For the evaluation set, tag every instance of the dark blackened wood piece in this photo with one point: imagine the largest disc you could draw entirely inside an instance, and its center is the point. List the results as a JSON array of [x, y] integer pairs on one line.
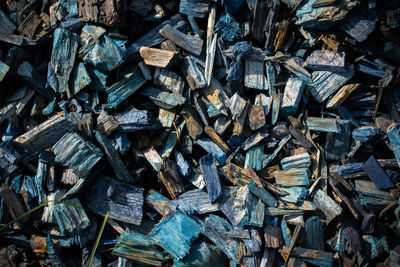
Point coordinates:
[[282, 30], [52, 252], [153, 37], [135, 120], [393, 133], [159, 58], [194, 8], [123, 201], [65, 47], [141, 249], [377, 174], [103, 12], [340, 195], [172, 184], [106, 124], [314, 233], [300, 138], [123, 89], [351, 235], [34, 79], [192, 44], [13, 203], [259, 19], [175, 233], [8, 256], [269, 27], [359, 23], [262, 194], [44, 135], [194, 76], [273, 236], [114, 159], [337, 144], [78, 154], [7, 26], [210, 173]]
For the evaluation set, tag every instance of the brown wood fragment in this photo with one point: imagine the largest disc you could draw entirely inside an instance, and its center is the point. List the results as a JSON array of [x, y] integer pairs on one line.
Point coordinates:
[[216, 138], [104, 12], [158, 57], [281, 35]]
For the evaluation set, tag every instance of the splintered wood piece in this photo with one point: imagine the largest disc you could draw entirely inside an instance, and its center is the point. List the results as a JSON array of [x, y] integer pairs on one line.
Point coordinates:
[[213, 135], [342, 95], [44, 135], [328, 206], [282, 29], [159, 58], [192, 44], [122, 201], [211, 177]]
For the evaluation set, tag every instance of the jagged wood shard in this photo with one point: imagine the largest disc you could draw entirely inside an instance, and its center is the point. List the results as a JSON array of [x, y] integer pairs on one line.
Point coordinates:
[[44, 135], [169, 80], [360, 23], [71, 218], [211, 177], [377, 174], [65, 47], [76, 153], [123, 89], [114, 159], [192, 44]]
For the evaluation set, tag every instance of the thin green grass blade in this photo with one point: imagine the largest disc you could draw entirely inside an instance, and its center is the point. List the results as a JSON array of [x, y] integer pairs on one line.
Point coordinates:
[[23, 215], [97, 240]]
